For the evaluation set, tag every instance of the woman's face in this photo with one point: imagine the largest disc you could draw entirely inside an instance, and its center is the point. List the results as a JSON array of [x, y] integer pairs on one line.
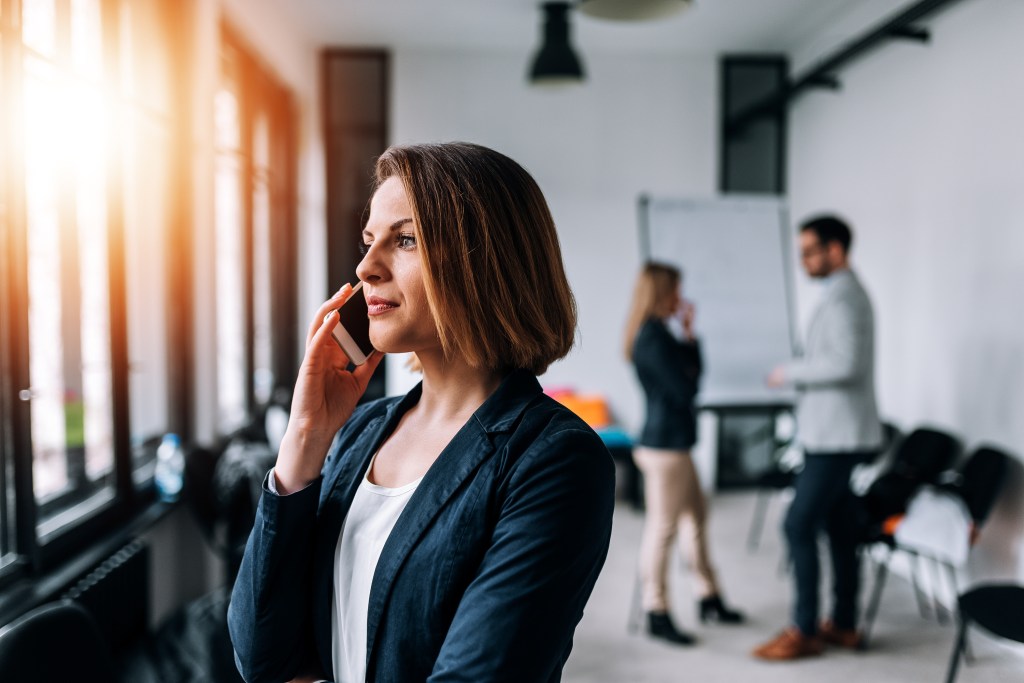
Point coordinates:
[[392, 274], [670, 301]]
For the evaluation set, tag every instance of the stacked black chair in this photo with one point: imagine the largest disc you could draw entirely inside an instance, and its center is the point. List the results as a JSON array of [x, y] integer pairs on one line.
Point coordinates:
[[996, 608], [980, 479], [978, 483], [919, 459], [55, 643]]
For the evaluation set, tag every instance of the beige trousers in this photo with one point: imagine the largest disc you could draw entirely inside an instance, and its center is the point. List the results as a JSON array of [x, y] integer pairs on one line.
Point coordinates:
[[675, 507]]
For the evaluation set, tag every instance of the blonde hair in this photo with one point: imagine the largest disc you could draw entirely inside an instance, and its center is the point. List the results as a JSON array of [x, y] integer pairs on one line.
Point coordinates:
[[492, 265], [654, 285]]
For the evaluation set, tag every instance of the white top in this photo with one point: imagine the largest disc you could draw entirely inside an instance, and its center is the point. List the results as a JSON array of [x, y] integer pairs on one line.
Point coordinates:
[[373, 514]]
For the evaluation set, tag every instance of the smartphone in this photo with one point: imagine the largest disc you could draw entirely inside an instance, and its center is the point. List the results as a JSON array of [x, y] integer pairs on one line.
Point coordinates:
[[353, 331]]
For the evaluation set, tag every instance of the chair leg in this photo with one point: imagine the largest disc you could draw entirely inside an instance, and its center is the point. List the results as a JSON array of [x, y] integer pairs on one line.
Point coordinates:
[[941, 613], [954, 584], [961, 640], [882, 569], [757, 523], [968, 653], [635, 610], [922, 599]]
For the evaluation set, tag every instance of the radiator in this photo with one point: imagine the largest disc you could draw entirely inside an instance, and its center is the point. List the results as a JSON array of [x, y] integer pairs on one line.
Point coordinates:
[[116, 593]]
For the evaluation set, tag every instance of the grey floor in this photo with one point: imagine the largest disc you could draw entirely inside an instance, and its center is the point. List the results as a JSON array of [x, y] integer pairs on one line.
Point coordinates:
[[905, 646]]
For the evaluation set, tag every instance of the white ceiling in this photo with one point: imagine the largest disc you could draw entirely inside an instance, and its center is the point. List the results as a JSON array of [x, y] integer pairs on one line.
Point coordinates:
[[709, 26]]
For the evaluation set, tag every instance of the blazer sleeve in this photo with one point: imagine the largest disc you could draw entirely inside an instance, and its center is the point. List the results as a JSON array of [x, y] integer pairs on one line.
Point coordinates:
[[674, 366], [843, 354], [515, 621], [269, 614]]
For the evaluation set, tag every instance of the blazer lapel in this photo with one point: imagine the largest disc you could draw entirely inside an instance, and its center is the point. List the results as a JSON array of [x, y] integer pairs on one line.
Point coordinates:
[[459, 460], [339, 489]]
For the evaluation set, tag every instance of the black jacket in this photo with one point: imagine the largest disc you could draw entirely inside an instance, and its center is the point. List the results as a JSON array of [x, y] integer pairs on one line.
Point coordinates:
[[669, 371], [485, 574]]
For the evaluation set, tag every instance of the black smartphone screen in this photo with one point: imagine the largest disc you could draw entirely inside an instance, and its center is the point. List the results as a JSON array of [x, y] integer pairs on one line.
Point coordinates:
[[356, 322]]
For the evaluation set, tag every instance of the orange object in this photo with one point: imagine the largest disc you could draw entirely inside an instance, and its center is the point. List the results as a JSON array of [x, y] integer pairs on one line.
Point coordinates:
[[592, 409], [890, 524]]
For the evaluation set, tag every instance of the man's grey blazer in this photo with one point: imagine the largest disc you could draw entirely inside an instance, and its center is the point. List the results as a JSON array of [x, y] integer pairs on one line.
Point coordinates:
[[835, 377]]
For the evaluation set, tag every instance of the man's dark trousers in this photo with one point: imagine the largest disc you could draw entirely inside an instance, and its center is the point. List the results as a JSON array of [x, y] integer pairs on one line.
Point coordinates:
[[823, 500]]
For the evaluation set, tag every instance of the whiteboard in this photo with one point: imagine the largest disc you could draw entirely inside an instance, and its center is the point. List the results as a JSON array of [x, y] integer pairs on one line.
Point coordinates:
[[736, 261]]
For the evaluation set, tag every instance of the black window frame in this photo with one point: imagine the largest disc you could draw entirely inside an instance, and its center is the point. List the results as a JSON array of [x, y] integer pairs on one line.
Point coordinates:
[[88, 520], [261, 90], [36, 557]]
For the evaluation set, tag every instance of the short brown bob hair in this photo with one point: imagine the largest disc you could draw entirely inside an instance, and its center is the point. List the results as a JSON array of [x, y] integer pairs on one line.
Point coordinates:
[[492, 266]]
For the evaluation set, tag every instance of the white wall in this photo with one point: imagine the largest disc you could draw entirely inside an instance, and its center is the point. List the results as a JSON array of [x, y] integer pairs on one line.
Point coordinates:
[[639, 124], [922, 150]]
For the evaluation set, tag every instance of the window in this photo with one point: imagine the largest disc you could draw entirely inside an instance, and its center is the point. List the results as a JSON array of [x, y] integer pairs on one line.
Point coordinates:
[[65, 148], [98, 254], [85, 128], [148, 238], [255, 236], [7, 528]]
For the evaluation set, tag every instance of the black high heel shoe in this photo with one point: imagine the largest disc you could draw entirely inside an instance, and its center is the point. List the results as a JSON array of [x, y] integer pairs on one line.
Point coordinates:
[[659, 625], [712, 607]]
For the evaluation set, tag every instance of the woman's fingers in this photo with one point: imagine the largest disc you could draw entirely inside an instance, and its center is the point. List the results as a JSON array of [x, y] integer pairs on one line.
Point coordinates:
[[324, 335], [335, 302], [364, 372]]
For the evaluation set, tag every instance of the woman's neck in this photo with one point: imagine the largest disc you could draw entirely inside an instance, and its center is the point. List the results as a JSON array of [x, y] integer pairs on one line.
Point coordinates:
[[454, 389]]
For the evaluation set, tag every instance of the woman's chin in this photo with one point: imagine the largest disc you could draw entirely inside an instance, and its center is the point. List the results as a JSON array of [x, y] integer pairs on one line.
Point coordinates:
[[385, 345]]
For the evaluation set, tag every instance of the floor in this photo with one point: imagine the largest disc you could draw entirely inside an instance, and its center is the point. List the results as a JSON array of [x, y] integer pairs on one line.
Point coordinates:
[[905, 646]]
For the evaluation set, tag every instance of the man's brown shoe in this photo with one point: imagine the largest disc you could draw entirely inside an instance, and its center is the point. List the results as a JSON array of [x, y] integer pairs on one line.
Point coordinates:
[[849, 638], [790, 644]]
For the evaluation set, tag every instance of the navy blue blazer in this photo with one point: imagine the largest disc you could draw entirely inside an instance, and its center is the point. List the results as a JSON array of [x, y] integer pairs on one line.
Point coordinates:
[[485, 574], [669, 371]]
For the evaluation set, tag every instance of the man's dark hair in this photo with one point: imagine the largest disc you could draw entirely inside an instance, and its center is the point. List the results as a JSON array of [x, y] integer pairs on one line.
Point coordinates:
[[829, 229]]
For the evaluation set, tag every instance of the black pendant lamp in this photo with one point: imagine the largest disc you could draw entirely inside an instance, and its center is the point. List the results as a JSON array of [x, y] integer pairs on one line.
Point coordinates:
[[556, 63], [632, 10]]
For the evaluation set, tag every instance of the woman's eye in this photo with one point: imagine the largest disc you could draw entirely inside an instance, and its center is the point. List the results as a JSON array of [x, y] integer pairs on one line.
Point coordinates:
[[363, 248], [406, 242]]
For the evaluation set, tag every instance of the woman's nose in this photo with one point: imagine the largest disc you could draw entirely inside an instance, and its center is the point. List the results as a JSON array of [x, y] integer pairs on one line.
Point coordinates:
[[370, 268]]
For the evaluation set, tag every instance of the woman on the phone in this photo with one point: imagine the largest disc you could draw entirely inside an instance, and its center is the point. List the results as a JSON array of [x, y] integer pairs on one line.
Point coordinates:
[[455, 533], [668, 365]]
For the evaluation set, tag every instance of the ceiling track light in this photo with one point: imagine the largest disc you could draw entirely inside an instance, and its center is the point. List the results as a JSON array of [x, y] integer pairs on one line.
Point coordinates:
[[556, 62], [632, 10]]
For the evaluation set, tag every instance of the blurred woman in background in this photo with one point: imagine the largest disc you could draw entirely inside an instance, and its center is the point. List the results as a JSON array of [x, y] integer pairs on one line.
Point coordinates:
[[669, 370]]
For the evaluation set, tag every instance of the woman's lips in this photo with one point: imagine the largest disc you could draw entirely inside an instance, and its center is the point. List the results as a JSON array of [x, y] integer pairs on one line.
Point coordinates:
[[375, 305]]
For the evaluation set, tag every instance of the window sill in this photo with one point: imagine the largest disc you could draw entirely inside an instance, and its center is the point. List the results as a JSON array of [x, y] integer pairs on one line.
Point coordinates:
[[28, 593]]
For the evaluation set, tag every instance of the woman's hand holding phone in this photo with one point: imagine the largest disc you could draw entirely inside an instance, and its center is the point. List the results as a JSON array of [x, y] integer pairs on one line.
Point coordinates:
[[687, 312], [326, 393]]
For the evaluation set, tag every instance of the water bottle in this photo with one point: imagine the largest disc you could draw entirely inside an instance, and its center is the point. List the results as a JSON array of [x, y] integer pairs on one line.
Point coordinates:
[[170, 468]]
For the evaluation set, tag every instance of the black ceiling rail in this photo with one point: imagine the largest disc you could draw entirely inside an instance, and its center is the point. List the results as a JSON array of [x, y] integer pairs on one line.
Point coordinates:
[[823, 74]]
